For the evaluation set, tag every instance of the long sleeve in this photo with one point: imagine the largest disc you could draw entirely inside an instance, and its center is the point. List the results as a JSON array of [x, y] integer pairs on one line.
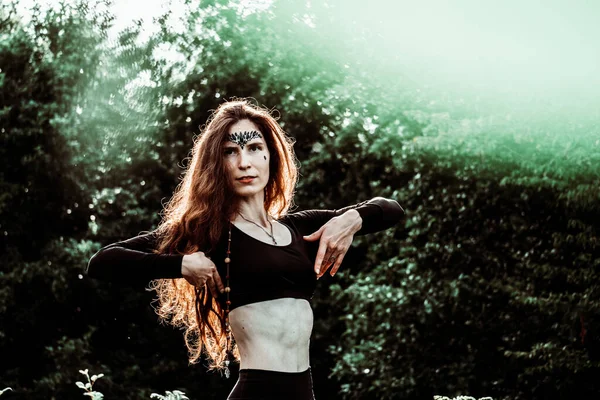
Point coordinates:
[[133, 261], [377, 215]]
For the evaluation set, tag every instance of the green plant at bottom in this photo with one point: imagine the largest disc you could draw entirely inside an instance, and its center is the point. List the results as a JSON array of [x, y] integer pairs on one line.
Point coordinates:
[[174, 395], [460, 398], [88, 387]]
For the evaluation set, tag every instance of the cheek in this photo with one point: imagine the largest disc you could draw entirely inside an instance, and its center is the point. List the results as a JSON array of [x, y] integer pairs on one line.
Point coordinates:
[[228, 168]]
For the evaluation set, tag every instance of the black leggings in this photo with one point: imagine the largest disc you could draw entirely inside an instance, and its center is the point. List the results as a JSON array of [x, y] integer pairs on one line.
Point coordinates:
[[260, 384]]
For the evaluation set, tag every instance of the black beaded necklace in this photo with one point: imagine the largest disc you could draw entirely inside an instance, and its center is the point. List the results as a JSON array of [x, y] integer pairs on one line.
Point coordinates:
[[228, 303], [228, 331]]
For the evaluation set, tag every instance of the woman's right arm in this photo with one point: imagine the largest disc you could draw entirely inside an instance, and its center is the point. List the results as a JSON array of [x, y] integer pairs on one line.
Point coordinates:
[[133, 261]]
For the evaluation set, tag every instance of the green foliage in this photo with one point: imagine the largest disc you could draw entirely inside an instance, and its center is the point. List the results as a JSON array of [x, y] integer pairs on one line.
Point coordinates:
[[41, 82], [89, 385], [460, 398], [174, 395], [487, 264]]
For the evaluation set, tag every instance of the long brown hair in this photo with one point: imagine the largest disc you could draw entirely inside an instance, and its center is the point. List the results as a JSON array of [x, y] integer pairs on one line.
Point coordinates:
[[194, 219]]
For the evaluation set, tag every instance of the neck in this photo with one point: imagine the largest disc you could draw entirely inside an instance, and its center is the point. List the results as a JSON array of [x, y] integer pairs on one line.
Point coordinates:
[[253, 210]]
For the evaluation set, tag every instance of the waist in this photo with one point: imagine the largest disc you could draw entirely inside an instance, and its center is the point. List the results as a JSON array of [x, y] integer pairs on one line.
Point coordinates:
[[274, 334], [288, 316], [282, 362], [259, 295], [263, 384], [272, 373]]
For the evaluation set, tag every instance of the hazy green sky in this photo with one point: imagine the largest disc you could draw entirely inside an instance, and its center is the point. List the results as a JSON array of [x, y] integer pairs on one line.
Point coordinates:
[[521, 53], [545, 50]]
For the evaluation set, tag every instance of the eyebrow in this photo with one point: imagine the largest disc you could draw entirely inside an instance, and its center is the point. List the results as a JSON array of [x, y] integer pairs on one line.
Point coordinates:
[[228, 144]]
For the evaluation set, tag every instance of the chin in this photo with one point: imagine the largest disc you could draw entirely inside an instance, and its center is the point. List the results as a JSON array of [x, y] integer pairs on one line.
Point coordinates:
[[247, 192]]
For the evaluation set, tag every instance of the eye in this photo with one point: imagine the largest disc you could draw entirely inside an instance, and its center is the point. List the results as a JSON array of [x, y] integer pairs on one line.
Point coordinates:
[[228, 151], [256, 147]]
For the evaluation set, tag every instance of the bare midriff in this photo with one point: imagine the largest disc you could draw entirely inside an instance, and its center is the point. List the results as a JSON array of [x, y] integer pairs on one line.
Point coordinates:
[[273, 335]]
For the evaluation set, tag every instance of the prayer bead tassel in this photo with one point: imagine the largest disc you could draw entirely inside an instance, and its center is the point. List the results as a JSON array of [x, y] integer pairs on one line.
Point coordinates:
[[229, 339]]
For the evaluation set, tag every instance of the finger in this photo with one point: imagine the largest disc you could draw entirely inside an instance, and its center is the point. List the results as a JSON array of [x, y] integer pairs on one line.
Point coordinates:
[[200, 288], [200, 285], [210, 282], [327, 263], [315, 235], [338, 263], [320, 256], [219, 282]]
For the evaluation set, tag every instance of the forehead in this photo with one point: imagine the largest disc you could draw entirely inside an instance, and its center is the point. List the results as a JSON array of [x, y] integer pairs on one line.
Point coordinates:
[[244, 131], [243, 126]]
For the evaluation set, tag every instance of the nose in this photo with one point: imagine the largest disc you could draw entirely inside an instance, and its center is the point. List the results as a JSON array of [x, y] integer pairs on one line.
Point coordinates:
[[244, 160]]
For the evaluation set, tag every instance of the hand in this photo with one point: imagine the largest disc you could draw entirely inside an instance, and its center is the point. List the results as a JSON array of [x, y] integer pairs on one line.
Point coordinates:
[[198, 270], [335, 239]]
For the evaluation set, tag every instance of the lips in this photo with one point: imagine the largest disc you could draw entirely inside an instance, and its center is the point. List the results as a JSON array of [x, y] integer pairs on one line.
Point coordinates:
[[243, 178]]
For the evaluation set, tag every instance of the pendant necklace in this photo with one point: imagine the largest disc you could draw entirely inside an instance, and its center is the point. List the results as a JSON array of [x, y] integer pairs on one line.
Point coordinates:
[[264, 230]]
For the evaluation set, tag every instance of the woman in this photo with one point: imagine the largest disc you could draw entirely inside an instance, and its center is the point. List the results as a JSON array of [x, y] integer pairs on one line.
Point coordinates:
[[249, 268]]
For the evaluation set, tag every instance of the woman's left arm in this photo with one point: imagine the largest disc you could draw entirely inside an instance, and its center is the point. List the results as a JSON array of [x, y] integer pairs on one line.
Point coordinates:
[[336, 235]]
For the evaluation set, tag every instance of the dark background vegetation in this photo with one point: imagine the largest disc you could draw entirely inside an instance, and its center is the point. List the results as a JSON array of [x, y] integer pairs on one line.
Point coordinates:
[[488, 288]]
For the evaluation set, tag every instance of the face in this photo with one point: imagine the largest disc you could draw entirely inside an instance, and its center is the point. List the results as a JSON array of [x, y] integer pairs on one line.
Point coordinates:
[[245, 154]]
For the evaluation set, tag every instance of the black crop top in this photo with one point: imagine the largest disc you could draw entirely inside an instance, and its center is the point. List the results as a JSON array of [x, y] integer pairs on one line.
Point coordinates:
[[258, 271]]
